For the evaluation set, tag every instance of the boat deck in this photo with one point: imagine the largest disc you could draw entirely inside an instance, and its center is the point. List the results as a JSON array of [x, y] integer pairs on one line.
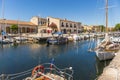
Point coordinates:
[[50, 76]]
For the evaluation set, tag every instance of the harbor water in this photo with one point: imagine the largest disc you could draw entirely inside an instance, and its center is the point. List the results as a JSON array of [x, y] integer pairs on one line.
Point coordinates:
[[22, 57]]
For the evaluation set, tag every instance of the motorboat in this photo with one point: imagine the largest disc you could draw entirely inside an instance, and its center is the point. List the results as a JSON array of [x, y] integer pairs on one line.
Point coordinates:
[[20, 39], [52, 40], [76, 37], [70, 38], [57, 40], [6, 40]]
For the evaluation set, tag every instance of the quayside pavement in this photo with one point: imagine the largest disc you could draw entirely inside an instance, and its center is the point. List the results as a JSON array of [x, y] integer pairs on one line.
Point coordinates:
[[112, 71]]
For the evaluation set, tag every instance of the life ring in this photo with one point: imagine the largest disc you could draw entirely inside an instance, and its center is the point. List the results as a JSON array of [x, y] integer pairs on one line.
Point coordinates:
[[38, 68]]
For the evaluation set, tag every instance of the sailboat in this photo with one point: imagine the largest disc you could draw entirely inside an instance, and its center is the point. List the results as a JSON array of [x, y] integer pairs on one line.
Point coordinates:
[[4, 38], [107, 48]]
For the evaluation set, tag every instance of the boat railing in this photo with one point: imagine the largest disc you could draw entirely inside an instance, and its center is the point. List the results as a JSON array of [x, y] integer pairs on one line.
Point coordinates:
[[15, 76], [65, 73]]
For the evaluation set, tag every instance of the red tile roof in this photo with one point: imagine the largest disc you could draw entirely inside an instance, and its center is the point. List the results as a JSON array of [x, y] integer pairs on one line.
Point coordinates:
[[17, 22]]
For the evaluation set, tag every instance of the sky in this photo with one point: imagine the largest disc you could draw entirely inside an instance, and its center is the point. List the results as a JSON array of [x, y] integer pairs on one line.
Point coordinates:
[[88, 12]]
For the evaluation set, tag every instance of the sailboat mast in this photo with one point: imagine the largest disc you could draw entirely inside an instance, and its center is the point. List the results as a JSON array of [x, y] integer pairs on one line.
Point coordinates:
[[2, 9], [2, 20], [2, 15], [106, 16]]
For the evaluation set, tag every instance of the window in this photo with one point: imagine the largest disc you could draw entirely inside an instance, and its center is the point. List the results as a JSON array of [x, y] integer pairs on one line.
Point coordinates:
[[41, 22], [70, 31], [62, 24], [74, 30], [74, 25], [48, 22], [66, 24], [71, 25], [45, 23]]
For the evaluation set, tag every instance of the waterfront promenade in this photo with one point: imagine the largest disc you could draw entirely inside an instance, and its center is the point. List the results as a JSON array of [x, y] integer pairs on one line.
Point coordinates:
[[112, 71]]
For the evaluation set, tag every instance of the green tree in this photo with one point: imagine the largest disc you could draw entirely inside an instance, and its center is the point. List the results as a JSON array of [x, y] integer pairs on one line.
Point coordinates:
[[117, 27], [84, 30], [14, 28], [113, 29], [102, 28]]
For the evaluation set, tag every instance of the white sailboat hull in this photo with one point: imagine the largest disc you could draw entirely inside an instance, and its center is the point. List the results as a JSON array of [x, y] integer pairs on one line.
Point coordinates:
[[103, 55]]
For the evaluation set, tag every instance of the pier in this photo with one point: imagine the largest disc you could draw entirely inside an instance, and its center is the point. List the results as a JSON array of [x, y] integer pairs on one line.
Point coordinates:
[[112, 71]]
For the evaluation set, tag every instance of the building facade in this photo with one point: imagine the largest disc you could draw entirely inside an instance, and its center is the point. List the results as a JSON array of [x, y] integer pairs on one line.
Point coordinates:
[[23, 27], [51, 24], [70, 26], [64, 25], [41, 23], [88, 28]]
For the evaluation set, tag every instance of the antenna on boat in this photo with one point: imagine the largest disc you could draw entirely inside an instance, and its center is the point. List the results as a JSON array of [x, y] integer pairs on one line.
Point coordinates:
[[2, 15], [19, 29], [3, 9]]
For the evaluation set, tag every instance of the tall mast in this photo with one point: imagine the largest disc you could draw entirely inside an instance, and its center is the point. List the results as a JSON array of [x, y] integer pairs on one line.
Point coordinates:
[[3, 9], [106, 16], [2, 14]]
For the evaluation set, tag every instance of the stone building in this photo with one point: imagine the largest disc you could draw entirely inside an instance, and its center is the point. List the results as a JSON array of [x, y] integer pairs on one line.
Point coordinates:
[[51, 24], [41, 23], [23, 27], [65, 26], [88, 28]]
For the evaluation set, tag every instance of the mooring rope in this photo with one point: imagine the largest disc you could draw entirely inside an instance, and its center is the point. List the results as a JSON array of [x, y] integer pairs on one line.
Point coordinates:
[[20, 72]]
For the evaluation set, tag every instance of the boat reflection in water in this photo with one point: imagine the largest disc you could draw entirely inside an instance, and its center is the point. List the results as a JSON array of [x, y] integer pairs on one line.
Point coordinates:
[[100, 65]]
